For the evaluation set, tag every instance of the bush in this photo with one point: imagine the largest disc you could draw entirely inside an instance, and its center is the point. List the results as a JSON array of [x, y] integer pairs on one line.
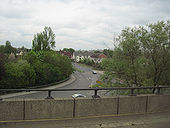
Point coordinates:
[[3, 59], [19, 74], [36, 68], [49, 66]]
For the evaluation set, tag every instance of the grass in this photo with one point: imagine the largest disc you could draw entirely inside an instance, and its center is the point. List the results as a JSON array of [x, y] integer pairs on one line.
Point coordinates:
[[81, 71]]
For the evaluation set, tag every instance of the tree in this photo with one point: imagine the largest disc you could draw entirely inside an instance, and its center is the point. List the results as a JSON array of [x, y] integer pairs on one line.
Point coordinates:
[[44, 40], [142, 57], [97, 51], [71, 50], [31, 57], [8, 49], [156, 49], [87, 61], [49, 66], [2, 49], [108, 53], [3, 60], [19, 74]]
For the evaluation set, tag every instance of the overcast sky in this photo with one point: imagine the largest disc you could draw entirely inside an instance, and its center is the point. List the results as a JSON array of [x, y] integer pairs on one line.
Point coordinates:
[[78, 24]]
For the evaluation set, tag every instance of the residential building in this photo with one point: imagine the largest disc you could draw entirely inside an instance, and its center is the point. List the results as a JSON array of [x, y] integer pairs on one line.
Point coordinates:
[[96, 57], [65, 53]]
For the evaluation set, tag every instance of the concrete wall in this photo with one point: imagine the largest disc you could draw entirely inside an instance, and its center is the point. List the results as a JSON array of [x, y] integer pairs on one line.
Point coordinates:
[[49, 109], [82, 107], [11, 110], [94, 107], [132, 104], [159, 103], [36, 109]]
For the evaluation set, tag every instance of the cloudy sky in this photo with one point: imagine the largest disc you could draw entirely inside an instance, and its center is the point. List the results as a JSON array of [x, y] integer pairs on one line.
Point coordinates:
[[78, 24]]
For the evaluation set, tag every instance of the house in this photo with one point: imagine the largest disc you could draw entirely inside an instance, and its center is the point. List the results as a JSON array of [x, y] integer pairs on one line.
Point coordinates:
[[79, 55], [20, 53], [65, 53], [96, 57]]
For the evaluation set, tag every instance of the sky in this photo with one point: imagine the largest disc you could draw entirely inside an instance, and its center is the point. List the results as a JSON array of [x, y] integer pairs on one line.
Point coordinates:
[[78, 24]]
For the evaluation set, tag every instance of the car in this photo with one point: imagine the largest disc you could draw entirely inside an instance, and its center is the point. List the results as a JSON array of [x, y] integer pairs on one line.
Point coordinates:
[[77, 95], [94, 72]]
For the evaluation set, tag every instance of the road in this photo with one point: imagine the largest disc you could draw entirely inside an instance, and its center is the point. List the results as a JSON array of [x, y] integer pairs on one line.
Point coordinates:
[[84, 78]]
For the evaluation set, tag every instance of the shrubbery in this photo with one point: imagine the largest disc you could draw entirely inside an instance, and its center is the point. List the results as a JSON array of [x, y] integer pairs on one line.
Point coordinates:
[[87, 61], [19, 74], [36, 68]]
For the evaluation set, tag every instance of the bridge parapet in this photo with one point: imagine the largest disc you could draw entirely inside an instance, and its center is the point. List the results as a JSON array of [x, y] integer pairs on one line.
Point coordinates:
[[83, 107]]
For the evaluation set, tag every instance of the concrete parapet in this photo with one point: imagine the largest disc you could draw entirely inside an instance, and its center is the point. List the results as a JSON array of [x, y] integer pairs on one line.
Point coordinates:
[[11, 110], [82, 107], [94, 107], [132, 104], [49, 109], [158, 103]]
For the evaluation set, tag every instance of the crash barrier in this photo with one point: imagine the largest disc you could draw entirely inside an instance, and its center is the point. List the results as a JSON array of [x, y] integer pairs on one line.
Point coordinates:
[[82, 107]]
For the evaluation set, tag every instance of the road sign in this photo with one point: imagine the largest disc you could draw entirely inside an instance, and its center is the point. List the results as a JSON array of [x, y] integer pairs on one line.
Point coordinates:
[[98, 82]]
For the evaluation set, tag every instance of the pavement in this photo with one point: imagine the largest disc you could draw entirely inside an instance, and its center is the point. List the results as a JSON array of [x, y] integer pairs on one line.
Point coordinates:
[[157, 120], [71, 80]]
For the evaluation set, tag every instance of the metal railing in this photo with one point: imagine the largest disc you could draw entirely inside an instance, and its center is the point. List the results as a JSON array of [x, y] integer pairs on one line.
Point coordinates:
[[132, 89]]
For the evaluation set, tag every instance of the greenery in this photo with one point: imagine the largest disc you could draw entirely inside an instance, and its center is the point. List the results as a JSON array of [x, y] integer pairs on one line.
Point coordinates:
[[3, 59], [35, 68], [19, 74], [87, 61], [44, 40], [7, 48], [142, 57], [108, 53], [70, 50]]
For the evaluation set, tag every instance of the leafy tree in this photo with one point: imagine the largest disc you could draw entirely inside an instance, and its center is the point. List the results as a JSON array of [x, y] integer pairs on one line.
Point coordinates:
[[108, 53], [97, 51], [41, 72], [142, 57], [87, 61], [2, 49], [49, 66], [44, 40], [31, 57], [7, 48], [65, 66], [46, 69], [3, 60], [19, 74], [156, 47], [71, 50]]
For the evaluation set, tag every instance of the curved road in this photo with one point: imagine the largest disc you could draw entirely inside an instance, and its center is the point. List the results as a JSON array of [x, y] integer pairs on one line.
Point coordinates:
[[83, 80]]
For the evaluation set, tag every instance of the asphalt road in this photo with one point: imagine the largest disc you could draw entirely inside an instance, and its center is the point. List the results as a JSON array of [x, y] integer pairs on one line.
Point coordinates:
[[84, 78]]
